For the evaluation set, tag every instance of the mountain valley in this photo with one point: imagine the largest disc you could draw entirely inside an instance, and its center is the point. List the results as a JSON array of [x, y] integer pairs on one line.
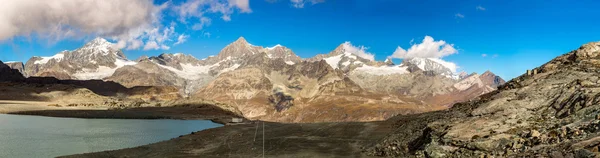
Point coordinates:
[[550, 111]]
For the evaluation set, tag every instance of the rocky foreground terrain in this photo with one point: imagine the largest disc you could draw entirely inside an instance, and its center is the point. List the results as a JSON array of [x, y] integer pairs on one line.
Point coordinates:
[[550, 111]]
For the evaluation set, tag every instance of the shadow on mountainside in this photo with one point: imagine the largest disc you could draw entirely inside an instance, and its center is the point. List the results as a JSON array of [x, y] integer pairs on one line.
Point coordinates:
[[29, 89]]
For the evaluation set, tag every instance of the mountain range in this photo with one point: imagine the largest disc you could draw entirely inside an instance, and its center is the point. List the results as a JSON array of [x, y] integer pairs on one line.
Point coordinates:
[[274, 84], [549, 111]]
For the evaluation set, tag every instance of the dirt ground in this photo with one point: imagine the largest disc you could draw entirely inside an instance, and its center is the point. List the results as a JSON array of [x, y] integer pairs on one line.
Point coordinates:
[[280, 140]]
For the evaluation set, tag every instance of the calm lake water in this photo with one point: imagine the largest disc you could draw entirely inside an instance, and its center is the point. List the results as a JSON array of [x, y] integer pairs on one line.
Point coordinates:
[[37, 136]]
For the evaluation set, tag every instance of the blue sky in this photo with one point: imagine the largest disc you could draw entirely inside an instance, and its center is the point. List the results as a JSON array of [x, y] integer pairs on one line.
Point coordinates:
[[515, 35]]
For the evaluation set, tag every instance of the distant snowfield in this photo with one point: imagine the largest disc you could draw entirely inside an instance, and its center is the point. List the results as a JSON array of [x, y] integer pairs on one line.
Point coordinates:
[[195, 72], [189, 71], [102, 71], [382, 70], [334, 60], [271, 48], [45, 60]]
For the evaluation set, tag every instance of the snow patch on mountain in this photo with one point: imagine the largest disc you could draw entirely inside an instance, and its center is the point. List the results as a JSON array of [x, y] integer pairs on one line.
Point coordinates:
[[438, 66], [334, 60], [382, 70], [98, 45], [349, 55], [45, 60], [360, 51], [102, 71], [271, 48], [189, 71], [346, 63], [350, 58]]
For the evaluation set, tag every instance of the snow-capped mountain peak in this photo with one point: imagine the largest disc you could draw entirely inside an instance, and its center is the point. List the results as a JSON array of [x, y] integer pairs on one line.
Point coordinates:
[[438, 66], [276, 46], [99, 45], [97, 59]]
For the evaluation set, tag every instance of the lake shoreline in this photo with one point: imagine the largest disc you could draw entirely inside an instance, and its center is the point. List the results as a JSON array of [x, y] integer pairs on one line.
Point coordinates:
[[124, 114], [195, 112]]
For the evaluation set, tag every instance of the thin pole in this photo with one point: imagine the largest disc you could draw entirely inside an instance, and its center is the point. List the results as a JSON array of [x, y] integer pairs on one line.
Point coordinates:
[[256, 131], [263, 139]]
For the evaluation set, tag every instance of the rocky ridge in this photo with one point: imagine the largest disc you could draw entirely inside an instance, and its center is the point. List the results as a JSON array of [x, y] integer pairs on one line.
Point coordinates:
[[551, 111]]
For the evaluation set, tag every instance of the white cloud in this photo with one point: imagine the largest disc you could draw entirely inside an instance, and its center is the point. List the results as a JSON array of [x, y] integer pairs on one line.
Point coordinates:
[[134, 44], [243, 5], [360, 51], [203, 21], [151, 46], [195, 11], [206, 34], [480, 8], [484, 55], [182, 38], [131, 23], [428, 48], [495, 55], [300, 3], [459, 15]]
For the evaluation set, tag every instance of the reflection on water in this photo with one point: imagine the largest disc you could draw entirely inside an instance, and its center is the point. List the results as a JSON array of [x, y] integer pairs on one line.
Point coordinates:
[[36, 136]]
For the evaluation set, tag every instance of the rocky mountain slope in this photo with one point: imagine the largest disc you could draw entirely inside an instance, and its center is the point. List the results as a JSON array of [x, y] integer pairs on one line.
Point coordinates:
[[273, 83], [304, 92], [95, 60], [191, 74], [551, 111], [17, 65]]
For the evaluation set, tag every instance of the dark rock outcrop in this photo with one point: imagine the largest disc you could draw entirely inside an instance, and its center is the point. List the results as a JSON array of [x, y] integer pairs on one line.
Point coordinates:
[[17, 65], [9, 74]]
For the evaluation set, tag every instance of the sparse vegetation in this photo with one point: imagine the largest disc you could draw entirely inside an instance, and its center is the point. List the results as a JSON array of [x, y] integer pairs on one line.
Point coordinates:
[[54, 105]]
